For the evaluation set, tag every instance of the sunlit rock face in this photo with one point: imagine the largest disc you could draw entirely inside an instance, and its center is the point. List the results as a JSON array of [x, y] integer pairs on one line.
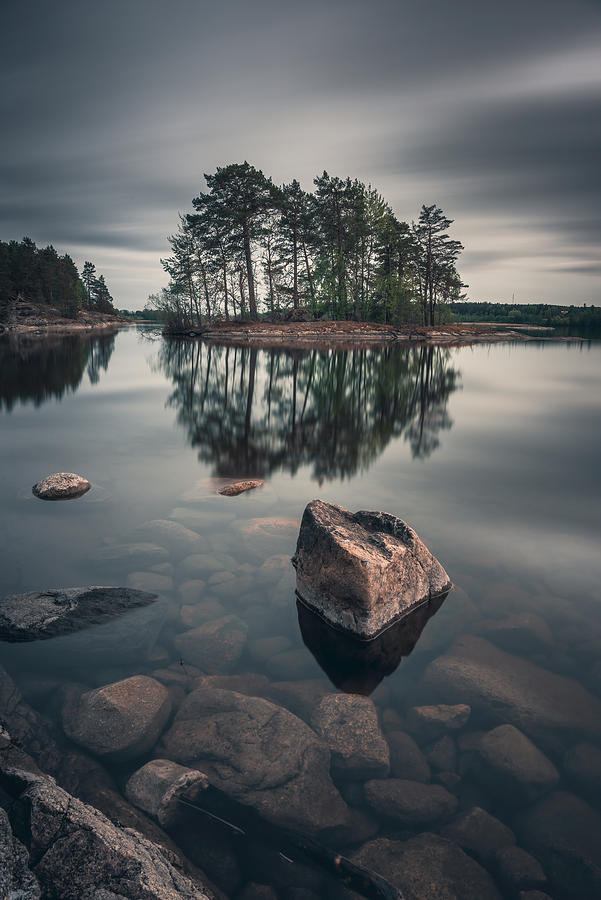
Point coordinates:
[[363, 571]]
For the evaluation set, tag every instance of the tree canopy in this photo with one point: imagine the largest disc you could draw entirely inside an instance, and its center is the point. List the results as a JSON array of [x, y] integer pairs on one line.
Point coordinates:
[[251, 247], [40, 275]]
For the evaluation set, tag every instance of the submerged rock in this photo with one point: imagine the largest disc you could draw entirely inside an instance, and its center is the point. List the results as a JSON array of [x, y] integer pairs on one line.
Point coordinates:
[[348, 723], [259, 754], [564, 833], [545, 706], [428, 867], [406, 759], [61, 486], [362, 571], [240, 487], [479, 833], [160, 785], [410, 802], [214, 647], [430, 722], [512, 766], [118, 721], [519, 870], [177, 538], [39, 615]]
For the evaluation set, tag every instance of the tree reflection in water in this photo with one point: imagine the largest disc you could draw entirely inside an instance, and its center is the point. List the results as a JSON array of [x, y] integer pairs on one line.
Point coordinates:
[[251, 411], [40, 369]]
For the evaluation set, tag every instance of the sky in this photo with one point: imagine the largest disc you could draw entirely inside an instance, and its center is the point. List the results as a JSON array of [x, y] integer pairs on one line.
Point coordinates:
[[112, 110]]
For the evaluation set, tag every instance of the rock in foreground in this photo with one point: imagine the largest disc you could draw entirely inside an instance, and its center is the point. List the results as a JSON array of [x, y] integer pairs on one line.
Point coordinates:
[[61, 486], [76, 852], [45, 614], [428, 867], [118, 721], [362, 571], [259, 754]]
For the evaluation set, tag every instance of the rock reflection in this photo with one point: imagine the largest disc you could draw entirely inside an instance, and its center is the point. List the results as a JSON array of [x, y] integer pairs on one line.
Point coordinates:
[[356, 666], [253, 412], [41, 369]]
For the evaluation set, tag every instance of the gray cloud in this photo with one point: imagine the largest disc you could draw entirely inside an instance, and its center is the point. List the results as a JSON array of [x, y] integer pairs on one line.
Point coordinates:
[[112, 111]]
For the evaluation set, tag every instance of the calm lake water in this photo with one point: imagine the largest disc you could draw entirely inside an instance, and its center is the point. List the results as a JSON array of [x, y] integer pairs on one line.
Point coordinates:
[[490, 452]]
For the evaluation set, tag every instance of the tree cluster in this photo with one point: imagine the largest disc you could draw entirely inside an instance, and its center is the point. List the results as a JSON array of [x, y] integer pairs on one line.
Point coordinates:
[[40, 275], [252, 247], [586, 319]]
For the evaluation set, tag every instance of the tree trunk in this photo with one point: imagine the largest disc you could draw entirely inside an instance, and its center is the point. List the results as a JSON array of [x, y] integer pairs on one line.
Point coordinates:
[[252, 302]]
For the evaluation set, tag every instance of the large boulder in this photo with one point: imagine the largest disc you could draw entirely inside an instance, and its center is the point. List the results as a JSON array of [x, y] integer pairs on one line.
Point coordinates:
[[76, 852], [61, 486], [507, 689], [362, 571], [119, 721], [260, 755], [17, 882], [39, 615], [348, 723], [427, 867]]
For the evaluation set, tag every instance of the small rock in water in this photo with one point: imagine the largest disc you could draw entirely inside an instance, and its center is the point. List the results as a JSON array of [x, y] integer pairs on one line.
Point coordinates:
[[442, 755], [215, 646], [362, 571], [118, 721], [410, 802], [564, 833], [513, 766], [582, 765], [159, 786], [348, 723], [428, 867], [406, 759], [430, 722], [479, 833], [61, 486], [240, 487], [518, 869]]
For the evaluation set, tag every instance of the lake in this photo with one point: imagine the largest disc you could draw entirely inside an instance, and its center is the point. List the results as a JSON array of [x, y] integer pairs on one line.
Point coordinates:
[[490, 452]]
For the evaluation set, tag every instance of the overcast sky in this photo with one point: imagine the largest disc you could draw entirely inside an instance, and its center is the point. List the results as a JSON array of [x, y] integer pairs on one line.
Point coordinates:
[[112, 110]]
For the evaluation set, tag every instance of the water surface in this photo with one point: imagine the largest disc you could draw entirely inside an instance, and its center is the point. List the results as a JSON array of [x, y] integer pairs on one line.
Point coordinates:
[[490, 452]]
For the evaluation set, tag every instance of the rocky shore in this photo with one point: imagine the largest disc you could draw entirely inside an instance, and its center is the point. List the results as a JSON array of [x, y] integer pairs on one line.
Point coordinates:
[[37, 319], [346, 335], [184, 764]]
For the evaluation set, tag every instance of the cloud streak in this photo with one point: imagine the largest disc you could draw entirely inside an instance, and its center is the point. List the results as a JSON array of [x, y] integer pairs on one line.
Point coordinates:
[[113, 111]]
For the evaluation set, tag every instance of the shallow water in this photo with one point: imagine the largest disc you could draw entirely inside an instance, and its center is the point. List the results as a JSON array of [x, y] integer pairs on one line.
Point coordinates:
[[491, 453]]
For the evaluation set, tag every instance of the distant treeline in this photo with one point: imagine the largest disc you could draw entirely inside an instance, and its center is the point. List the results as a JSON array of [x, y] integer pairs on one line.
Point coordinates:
[[574, 317], [147, 314], [40, 275], [254, 248]]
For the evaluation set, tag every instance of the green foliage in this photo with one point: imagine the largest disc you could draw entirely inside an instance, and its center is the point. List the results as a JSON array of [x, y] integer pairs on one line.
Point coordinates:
[[571, 318], [40, 275], [253, 247]]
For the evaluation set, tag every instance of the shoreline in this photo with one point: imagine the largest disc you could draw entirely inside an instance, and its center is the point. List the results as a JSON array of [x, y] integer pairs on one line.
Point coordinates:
[[343, 333], [60, 328]]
